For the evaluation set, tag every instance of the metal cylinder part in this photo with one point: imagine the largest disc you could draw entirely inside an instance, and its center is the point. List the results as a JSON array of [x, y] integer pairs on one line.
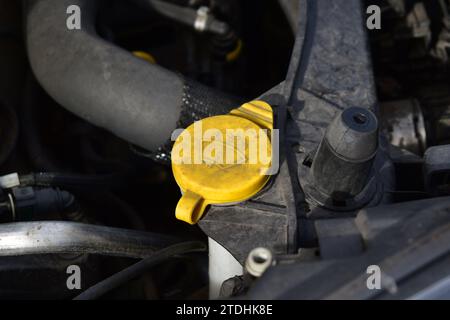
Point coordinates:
[[258, 260]]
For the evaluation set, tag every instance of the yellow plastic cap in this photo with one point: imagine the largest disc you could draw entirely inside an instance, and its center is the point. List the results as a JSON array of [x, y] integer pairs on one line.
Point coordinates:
[[145, 56], [223, 159]]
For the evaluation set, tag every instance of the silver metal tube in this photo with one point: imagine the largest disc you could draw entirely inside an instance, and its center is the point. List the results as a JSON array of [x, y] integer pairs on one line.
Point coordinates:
[[25, 238]]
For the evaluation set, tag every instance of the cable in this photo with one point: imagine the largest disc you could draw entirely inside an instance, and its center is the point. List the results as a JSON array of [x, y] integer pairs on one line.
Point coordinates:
[[122, 277], [292, 189]]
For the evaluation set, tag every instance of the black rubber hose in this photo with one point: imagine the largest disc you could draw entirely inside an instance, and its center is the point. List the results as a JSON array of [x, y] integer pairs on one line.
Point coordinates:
[[139, 102], [138, 269]]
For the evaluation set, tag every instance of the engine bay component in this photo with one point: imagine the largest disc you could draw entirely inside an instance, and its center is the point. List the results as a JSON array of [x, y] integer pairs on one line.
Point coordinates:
[[341, 165], [223, 159], [282, 218], [224, 149], [27, 238], [139, 102], [404, 125], [436, 170], [128, 274], [222, 266], [200, 19], [258, 261]]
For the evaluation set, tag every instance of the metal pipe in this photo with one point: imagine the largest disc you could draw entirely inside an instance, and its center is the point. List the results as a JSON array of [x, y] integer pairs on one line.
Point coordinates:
[[49, 237]]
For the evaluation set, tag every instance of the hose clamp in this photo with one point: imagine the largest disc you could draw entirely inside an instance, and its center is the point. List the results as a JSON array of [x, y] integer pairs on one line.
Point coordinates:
[[201, 21]]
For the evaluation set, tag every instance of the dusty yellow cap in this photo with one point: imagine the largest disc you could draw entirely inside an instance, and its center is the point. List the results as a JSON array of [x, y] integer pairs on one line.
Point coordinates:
[[223, 159]]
